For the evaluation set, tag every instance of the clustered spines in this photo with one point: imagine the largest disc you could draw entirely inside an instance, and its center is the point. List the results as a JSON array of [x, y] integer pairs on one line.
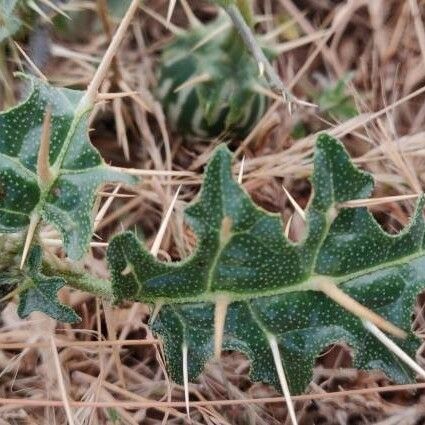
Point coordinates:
[[218, 98]]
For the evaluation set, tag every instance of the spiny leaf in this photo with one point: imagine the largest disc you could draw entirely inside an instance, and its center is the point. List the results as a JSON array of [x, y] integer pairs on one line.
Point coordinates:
[[76, 167], [226, 101], [40, 293], [271, 283]]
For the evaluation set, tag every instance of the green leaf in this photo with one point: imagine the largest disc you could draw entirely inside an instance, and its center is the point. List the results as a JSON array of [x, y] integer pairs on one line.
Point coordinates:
[[227, 102], [40, 293], [271, 283], [77, 169], [334, 101]]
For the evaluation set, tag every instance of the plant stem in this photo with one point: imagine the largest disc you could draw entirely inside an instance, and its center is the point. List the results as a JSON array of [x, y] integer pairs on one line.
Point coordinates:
[[87, 283], [251, 43], [76, 278]]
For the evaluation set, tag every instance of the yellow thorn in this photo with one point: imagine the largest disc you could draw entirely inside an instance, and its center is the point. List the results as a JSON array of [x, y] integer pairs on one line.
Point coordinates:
[[332, 291], [171, 27], [294, 203], [30, 235], [155, 312], [186, 380], [36, 8], [43, 165], [288, 225], [30, 62], [160, 235], [282, 378], [210, 36], [127, 270], [261, 69], [392, 346], [198, 79], [101, 214], [171, 7], [221, 304], [240, 175]]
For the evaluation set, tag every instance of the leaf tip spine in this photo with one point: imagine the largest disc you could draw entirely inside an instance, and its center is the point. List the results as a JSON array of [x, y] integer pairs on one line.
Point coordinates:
[[221, 304]]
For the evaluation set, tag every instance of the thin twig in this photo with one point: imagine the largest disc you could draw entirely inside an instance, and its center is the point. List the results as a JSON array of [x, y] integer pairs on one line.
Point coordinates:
[[77, 344], [205, 403], [90, 96], [61, 382], [251, 43], [282, 378]]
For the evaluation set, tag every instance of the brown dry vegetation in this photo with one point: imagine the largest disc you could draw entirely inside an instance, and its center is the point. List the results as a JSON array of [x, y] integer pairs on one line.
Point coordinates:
[[109, 369]]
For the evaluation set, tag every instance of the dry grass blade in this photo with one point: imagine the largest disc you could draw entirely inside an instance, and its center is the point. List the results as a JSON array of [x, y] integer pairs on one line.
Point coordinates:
[[61, 383], [160, 235], [377, 201], [283, 382], [31, 63], [182, 404], [82, 344], [171, 7]]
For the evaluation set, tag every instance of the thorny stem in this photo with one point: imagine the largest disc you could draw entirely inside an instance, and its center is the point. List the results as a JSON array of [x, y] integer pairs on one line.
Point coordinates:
[[77, 278], [251, 43], [88, 283]]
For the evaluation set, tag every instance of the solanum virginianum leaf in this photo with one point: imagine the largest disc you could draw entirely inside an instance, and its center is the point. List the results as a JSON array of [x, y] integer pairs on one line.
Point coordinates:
[[270, 283], [40, 291], [77, 169], [227, 101]]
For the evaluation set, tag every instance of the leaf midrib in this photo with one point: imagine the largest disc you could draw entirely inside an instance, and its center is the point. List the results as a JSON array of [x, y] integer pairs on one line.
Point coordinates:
[[306, 285]]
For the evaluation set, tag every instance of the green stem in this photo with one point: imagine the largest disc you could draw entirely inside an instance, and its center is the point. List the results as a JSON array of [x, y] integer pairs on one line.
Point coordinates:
[[87, 283], [252, 45], [76, 278]]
